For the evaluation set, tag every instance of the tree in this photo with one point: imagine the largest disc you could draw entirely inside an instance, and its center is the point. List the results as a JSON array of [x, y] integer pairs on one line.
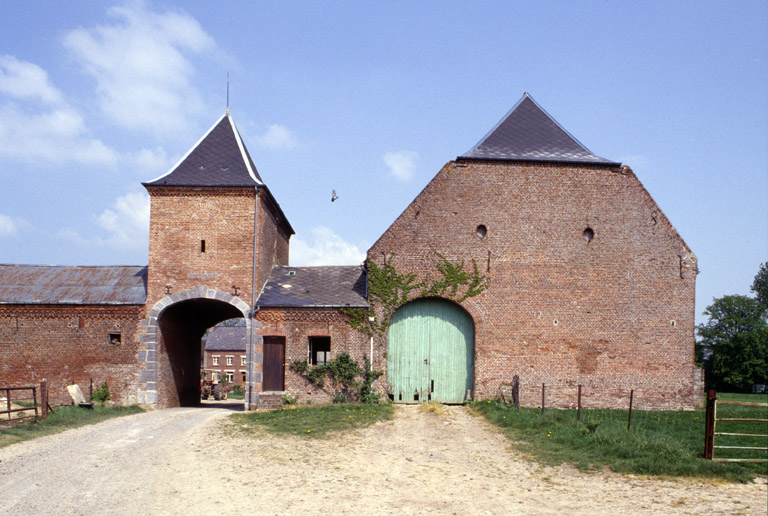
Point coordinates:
[[760, 285], [734, 343]]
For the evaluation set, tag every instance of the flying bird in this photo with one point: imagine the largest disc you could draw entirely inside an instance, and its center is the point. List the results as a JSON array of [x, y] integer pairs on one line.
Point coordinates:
[[333, 195]]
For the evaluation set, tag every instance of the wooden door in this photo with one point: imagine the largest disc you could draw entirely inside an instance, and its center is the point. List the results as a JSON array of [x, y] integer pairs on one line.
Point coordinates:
[[430, 352], [274, 364]]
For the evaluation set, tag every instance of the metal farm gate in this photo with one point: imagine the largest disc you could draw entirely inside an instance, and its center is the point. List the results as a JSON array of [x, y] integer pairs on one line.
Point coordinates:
[[431, 352], [758, 424]]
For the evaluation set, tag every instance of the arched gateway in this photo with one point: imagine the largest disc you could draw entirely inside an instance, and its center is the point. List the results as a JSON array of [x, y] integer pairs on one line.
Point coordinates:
[[174, 329], [431, 352]]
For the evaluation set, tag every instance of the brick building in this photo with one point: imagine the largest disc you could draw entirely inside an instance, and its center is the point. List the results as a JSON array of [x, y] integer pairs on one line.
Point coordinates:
[[585, 282], [589, 283], [224, 354]]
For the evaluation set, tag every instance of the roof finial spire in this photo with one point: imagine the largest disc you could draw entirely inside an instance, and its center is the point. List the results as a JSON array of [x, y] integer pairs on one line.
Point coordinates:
[[227, 92]]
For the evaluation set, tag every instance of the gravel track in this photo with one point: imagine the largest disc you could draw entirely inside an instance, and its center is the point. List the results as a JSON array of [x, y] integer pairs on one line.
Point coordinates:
[[190, 461]]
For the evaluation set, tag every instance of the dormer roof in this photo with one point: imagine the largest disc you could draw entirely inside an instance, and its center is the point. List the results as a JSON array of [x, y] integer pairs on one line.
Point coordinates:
[[528, 133], [219, 158]]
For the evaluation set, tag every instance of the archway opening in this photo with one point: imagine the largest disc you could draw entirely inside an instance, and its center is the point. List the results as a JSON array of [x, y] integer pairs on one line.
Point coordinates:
[[182, 326]]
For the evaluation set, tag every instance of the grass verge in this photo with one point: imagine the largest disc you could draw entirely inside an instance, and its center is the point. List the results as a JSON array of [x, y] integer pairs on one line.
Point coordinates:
[[313, 422], [62, 419], [668, 443]]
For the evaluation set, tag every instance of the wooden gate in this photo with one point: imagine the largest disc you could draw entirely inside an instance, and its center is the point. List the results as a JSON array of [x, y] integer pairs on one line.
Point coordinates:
[[430, 352], [274, 364]]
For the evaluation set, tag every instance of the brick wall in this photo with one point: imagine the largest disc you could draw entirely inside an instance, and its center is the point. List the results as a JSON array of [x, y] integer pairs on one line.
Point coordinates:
[[297, 325], [67, 344], [613, 313], [182, 217]]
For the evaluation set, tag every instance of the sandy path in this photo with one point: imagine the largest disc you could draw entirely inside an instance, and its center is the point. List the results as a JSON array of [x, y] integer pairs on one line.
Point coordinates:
[[417, 464]]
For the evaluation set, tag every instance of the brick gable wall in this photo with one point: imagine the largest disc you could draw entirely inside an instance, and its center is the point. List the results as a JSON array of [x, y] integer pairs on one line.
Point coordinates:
[[615, 313], [183, 216]]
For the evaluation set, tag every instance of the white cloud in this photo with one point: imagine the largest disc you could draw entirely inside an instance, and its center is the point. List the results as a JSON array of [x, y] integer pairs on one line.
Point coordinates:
[[401, 164], [144, 77], [127, 221], [55, 134], [152, 162], [24, 80], [277, 137], [126, 224], [10, 226], [325, 248]]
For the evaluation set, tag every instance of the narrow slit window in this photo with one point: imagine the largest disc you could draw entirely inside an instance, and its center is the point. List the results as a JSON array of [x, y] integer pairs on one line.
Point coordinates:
[[202, 246]]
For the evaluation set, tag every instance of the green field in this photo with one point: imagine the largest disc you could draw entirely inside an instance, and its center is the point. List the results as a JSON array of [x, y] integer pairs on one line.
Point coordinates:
[[665, 443]]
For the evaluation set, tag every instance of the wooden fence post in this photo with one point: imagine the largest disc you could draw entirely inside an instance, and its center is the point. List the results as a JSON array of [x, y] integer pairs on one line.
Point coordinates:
[[709, 422], [631, 397], [542, 398], [516, 391], [34, 401], [44, 398], [578, 405]]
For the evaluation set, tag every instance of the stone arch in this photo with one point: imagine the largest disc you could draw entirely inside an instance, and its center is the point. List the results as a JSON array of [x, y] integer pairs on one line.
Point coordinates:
[[164, 367]]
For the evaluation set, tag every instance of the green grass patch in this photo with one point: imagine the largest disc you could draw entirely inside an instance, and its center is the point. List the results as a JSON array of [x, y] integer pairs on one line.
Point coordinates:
[[313, 422], [662, 443], [62, 419]]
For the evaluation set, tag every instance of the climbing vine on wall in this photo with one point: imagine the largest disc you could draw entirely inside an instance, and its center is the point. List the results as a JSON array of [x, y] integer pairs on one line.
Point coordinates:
[[388, 290]]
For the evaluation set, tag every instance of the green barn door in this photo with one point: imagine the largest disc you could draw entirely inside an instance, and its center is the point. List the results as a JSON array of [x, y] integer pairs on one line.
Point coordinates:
[[431, 349]]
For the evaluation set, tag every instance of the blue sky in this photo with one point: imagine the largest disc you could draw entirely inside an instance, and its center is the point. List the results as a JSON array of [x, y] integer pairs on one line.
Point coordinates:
[[372, 99]]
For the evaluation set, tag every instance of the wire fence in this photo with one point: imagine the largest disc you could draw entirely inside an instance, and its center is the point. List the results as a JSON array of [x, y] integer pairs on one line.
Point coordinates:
[[634, 409]]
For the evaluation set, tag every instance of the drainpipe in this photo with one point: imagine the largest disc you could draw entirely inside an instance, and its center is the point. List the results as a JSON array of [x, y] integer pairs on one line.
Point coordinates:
[[254, 308]]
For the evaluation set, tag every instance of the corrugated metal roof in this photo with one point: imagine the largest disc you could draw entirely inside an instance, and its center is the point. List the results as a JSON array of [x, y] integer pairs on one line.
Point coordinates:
[[334, 286], [226, 338], [528, 133], [51, 284], [218, 159]]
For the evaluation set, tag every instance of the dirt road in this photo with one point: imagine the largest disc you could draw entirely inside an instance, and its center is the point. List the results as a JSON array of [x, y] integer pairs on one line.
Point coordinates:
[[187, 461]]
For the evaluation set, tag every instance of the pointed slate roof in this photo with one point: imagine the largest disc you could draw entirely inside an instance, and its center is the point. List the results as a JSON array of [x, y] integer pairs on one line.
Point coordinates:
[[528, 133], [218, 159]]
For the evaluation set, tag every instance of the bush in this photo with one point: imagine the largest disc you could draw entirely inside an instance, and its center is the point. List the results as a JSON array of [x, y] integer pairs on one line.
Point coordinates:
[[101, 394], [343, 372]]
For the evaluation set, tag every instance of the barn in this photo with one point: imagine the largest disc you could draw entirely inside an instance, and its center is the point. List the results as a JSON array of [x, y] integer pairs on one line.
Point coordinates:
[[527, 256], [586, 282]]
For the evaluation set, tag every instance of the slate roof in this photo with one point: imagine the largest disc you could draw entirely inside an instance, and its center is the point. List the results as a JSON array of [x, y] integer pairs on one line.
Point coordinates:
[[528, 133], [226, 338], [51, 284], [331, 286], [218, 159]]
